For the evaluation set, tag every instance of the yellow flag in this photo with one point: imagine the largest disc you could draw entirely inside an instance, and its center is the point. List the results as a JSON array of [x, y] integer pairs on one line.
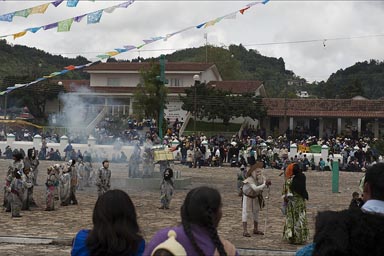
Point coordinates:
[[20, 34], [112, 53], [40, 8]]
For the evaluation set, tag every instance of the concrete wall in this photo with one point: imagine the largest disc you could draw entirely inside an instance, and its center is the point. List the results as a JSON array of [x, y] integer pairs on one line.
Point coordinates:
[[104, 151]]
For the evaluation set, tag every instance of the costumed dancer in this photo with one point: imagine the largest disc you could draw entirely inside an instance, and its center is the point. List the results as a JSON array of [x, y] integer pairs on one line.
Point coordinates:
[[253, 199], [74, 181], [31, 161], [148, 166], [81, 173], [51, 183], [28, 200], [17, 191], [88, 167], [16, 165], [57, 168], [166, 189], [65, 186], [103, 179]]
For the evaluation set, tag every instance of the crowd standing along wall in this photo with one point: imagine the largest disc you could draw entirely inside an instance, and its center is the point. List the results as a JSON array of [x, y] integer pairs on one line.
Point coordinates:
[[103, 151]]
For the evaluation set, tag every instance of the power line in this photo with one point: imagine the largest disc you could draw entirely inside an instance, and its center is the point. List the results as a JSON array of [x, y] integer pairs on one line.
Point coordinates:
[[323, 40]]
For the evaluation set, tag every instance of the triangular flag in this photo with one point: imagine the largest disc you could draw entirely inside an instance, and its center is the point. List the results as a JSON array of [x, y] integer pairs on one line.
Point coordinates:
[[20, 34], [148, 41], [140, 46], [94, 17], [201, 25], [79, 18], [23, 13], [33, 30], [103, 56], [112, 53], [39, 9], [121, 50], [244, 9], [70, 67], [7, 17], [64, 25], [126, 4], [50, 26], [129, 47], [57, 2], [210, 23], [72, 3], [231, 16], [63, 72], [110, 9]]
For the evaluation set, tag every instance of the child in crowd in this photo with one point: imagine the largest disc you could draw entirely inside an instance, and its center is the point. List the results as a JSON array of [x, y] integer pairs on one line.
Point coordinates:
[[166, 189], [356, 201]]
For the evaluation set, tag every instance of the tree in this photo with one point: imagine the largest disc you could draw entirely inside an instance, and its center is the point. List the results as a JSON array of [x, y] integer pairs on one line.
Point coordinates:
[[212, 103], [150, 92], [34, 97]]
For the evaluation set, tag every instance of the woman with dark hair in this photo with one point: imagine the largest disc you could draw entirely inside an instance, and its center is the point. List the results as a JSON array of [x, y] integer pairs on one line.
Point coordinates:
[[115, 230], [200, 215], [296, 225]]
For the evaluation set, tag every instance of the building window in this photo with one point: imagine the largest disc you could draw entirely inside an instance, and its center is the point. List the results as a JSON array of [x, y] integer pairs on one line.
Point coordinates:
[[113, 81], [175, 82]]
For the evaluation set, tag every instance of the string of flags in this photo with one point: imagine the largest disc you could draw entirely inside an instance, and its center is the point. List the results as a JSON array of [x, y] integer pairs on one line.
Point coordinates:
[[206, 24], [131, 47], [38, 9], [65, 25]]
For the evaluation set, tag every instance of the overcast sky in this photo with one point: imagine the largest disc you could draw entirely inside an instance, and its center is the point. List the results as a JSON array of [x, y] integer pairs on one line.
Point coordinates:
[[277, 21]]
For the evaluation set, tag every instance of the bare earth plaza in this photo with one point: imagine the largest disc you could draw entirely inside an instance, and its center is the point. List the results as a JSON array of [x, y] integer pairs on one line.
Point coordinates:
[[175, 128], [59, 227]]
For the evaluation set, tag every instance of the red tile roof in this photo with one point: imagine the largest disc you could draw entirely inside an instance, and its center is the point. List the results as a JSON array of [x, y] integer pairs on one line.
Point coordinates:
[[137, 66], [325, 107]]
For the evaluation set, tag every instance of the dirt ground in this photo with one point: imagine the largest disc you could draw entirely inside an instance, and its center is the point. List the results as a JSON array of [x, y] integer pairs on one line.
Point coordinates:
[[66, 221]]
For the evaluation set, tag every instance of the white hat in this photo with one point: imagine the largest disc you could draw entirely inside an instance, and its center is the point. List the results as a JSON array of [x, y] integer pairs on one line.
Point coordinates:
[[171, 245]]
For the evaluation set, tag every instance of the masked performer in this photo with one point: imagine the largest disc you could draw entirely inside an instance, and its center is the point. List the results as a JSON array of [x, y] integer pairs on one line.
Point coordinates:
[[253, 200], [17, 191], [31, 161], [103, 180], [166, 189], [51, 183]]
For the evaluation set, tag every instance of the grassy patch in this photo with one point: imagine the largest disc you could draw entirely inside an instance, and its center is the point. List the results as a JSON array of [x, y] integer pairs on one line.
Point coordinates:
[[210, 128]]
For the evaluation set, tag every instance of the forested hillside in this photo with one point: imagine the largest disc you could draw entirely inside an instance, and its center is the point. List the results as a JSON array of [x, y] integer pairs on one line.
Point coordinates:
[[364, 78], [238, 63], [234, 63], [22, 61]]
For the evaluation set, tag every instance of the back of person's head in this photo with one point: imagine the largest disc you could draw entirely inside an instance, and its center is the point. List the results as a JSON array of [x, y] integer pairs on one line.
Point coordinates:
[[374, 178], [202, 207], [355, 194], [170, 247], [296, 169], [115, 228]]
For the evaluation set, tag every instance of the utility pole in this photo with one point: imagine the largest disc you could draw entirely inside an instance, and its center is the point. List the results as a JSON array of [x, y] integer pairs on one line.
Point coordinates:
[[196, 78], [206, 47], [163, 82]]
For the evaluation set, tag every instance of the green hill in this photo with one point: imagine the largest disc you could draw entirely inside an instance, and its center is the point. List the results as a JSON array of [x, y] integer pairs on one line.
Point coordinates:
[[22, 61]]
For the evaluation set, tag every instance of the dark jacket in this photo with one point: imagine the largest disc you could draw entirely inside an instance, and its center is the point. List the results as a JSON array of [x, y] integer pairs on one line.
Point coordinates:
[[349, 233]]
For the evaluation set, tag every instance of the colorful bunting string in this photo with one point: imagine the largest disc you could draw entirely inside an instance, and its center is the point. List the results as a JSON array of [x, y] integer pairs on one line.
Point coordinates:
[[39, 9], [206, 24], [125, 48], [65, 25]]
